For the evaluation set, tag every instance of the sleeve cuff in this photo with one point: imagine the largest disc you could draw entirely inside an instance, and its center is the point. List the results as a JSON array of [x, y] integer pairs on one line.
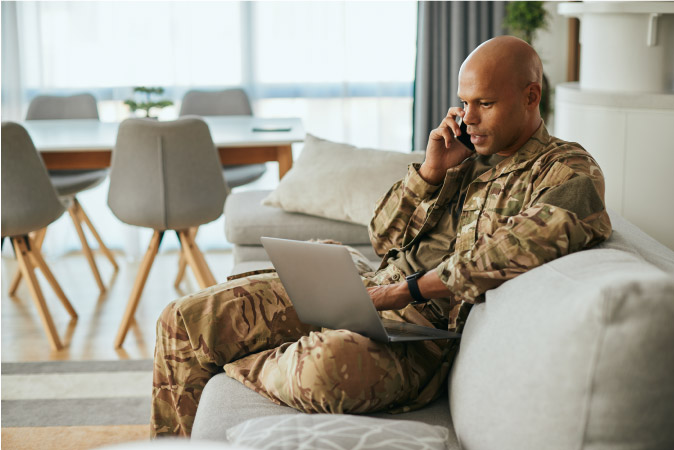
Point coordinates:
[[417, 185]]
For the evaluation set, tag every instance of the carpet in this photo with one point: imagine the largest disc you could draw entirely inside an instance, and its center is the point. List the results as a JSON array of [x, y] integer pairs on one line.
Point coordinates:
[[75, 404]]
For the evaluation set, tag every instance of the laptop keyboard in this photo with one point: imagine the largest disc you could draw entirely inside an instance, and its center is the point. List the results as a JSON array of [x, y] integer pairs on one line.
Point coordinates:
[[408, 329]]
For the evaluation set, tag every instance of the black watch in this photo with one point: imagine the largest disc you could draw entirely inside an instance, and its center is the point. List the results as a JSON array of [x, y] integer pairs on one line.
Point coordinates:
[[414, 288]]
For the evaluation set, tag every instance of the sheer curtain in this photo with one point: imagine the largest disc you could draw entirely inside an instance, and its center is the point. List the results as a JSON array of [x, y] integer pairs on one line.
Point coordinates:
[[345, 68]]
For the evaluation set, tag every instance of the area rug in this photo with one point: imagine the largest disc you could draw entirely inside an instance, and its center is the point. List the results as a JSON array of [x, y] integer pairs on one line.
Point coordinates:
[[75, 404]]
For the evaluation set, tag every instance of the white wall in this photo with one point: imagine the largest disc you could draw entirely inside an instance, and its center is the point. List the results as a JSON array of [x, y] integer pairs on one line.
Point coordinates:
[[551, 45]]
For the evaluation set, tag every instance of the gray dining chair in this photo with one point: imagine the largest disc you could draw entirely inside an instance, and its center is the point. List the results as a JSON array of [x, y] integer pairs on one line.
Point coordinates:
[[29, 203], [165, 176], [53, 107], [229, 102], [69, 183]]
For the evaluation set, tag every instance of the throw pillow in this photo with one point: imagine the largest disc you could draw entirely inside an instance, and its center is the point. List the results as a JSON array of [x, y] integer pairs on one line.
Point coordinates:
[[339, 181], [336, 431]]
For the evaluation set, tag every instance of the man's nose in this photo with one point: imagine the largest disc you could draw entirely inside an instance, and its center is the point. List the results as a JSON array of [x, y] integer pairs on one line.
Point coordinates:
[[470, 117]]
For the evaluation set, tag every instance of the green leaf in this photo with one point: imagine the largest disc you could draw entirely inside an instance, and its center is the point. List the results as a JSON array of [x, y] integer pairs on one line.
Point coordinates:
[[146, 103], [523, 19]]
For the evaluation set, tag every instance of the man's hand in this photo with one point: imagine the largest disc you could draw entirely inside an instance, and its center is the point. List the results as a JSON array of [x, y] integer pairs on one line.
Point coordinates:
[[390, 296], [397, 296], [443, 150]]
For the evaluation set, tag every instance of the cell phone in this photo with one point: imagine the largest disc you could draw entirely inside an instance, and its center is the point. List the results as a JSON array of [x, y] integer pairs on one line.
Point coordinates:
[[464, 138]]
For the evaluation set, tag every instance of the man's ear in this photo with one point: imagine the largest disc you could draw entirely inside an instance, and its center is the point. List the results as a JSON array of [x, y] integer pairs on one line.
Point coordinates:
[[533, 95]]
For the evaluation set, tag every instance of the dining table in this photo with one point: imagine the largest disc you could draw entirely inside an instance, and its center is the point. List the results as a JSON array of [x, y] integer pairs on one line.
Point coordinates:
[[89, 143]]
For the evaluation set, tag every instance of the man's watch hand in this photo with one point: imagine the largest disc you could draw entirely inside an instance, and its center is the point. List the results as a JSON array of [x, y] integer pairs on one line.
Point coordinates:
[[397, 296], [413, 287]]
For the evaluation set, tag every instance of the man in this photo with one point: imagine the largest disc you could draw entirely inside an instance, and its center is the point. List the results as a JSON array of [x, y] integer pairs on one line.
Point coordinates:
[[463, 223]]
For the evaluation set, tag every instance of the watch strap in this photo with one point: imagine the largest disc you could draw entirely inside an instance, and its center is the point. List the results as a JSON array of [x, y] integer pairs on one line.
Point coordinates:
[[413, 287]]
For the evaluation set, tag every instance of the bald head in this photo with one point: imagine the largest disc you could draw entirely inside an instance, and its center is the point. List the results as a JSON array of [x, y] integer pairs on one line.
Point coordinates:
[[504, 60], [500, 87]]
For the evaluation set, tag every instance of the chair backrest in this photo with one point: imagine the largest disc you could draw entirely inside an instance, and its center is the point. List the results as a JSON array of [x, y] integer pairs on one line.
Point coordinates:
[[166, 175], [230, 102], [29, 201], [50, 107]]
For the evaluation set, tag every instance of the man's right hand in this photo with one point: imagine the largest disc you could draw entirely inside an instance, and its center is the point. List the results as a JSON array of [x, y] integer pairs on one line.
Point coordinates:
[[443, 150]]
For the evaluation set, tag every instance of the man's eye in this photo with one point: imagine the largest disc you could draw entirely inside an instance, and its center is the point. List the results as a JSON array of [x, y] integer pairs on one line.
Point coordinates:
[[486, 104]]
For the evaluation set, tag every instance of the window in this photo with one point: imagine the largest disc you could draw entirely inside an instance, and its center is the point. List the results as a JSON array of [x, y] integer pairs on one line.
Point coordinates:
[[293, 52], [345, 68]]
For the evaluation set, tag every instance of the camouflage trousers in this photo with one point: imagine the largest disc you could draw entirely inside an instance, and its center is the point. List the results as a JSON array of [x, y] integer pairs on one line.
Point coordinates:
[[248, 328]]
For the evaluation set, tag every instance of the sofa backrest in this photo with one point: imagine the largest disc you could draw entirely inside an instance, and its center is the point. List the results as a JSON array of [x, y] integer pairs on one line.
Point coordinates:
[[574, 354], [630, 238]]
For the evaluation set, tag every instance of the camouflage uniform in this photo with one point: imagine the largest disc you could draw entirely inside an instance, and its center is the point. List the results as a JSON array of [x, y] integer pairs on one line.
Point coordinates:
[[489, 221]]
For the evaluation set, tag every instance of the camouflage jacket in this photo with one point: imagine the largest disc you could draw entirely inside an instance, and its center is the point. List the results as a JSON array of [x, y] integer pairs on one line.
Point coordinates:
[[543, 202]]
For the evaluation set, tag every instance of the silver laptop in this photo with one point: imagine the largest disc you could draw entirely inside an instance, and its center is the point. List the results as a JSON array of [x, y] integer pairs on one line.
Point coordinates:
[[326, 290]]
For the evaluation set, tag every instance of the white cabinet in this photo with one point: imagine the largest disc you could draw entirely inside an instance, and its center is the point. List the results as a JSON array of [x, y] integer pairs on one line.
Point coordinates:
[[625, 46], [632, 138], [622, 110]]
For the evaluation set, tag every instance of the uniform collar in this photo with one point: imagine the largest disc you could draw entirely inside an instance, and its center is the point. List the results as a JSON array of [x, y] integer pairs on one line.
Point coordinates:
[[523, 157]]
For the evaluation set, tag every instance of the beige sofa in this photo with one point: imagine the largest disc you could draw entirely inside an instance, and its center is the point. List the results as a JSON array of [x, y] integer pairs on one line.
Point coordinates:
[[575, 354]]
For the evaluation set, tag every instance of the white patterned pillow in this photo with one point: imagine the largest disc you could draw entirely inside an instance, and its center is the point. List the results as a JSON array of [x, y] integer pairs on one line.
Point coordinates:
[[336, 431]]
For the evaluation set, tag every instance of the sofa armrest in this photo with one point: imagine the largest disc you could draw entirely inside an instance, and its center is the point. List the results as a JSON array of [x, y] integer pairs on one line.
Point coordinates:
[[572, 353]]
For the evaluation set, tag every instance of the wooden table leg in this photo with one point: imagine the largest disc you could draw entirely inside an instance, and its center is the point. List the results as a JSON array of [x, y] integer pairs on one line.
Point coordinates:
[[284, 155]]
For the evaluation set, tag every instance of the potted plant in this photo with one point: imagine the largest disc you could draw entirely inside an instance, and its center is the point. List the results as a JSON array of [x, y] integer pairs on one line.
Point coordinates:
[[147, 104], [524, 19]]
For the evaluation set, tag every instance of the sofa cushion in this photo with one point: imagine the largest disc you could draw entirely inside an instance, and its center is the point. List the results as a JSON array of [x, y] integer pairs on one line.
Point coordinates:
[[341, 431], [340, 181], [576, 353], [246, 220], [226, 403]]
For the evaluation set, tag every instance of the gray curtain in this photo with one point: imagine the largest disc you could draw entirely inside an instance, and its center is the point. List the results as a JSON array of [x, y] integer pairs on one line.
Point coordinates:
[[447, 32]]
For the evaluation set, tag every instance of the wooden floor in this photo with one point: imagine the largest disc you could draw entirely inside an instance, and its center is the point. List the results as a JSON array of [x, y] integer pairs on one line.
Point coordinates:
[[91, 336]]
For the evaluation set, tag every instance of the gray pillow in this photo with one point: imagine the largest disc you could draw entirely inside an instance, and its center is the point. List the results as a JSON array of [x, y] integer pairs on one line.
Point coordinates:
[[336, 431], [339, 181]]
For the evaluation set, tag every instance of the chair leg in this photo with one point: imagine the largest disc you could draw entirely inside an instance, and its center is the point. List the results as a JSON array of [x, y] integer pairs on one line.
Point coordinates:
[[201, 260], [196, 259], [138, 286], [182, 262], [83, 216], [85, 246], [22, 249], [37, 242], [14, 285], [38, 261]]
